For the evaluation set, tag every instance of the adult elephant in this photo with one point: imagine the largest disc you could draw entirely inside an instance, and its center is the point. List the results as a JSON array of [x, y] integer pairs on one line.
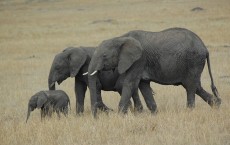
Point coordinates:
[[73, 62], [174, 56]]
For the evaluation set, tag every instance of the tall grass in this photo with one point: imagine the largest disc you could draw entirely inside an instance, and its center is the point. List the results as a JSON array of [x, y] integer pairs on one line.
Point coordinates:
[[33, 31]]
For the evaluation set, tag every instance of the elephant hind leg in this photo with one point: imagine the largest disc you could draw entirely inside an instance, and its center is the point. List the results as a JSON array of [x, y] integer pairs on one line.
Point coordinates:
[[190, 87], [138, 107], [207, 97], [191, 97], [65, 111], [147, 93]]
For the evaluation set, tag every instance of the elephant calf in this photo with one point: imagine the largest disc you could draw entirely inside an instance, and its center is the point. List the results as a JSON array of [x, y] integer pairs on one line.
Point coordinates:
[[49, 102]]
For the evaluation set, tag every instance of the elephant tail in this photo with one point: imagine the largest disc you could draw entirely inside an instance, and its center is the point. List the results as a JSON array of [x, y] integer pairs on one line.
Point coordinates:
[[213, 87]]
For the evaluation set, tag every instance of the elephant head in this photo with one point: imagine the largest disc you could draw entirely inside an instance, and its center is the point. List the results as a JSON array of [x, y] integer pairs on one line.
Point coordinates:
[[119, 52], [66, 64], [36, 101]]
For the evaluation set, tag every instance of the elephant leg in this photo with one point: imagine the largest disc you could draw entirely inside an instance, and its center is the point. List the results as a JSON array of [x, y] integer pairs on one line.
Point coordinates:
[[147, 93], [190, 97], [207, 97], [190, 87], [100, 104], [58, 113], [58, 107], [80, 89], [43, 113], [125, 98], [137, 102], [65, 111], [129, 103]]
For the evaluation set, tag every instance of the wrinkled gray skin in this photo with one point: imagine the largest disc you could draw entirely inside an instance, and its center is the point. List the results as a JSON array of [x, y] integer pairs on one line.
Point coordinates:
[[175, 56], [49, 102], [73, 62]]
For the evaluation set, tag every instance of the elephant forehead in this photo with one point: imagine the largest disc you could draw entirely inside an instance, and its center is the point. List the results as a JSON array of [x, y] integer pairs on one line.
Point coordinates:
[[110, 43], [60, 62], [33, 100], [58, 56]]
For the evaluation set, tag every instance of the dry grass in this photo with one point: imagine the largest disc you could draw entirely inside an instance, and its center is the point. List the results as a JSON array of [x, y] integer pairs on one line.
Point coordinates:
[[33, 31]]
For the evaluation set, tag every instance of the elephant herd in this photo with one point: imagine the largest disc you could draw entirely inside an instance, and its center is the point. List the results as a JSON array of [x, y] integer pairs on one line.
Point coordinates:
[[124, 64]]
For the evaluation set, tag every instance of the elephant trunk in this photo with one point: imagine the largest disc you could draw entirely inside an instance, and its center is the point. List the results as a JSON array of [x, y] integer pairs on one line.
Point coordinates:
[[51, 80], [93, 93], [28, 113], [94, 66], [51, 84]]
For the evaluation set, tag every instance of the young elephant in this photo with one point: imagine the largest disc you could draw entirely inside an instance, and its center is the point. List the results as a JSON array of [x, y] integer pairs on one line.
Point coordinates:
[[49, 102]]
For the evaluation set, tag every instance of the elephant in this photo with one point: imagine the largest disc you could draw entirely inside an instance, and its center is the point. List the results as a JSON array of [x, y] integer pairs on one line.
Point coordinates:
[[73, 62], [49, 101], [174, 56]]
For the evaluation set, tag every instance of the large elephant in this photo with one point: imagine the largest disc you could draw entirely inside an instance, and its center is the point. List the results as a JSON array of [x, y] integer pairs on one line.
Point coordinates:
[[174, 56], [73, 62]]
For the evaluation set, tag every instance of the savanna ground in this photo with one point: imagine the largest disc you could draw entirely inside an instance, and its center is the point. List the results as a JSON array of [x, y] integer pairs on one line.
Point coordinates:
[[33, 31]]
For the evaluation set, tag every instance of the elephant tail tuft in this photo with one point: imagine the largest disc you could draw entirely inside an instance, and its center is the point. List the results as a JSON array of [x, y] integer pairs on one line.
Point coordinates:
[[213, 87]]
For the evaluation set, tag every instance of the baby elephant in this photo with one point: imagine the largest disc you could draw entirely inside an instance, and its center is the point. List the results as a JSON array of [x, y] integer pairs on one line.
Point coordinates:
[[49, 102]]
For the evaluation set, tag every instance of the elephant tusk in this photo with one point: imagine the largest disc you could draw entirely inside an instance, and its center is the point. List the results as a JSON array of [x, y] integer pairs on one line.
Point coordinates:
[[52, 84], [93, 73], [85, 73]]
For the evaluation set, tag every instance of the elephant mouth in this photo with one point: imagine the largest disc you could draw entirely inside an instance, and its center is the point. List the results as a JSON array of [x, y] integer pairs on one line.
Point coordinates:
[[59, 81], [109, 69], [53, 83]]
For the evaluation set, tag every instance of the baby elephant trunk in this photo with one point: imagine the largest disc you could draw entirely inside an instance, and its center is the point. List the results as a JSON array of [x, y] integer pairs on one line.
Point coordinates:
[[28, 113]]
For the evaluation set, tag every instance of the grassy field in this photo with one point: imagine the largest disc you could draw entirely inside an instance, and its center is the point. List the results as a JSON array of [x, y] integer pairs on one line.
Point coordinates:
[[33, 31]]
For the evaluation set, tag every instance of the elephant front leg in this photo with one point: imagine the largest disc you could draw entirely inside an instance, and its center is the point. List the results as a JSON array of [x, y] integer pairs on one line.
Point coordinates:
[[100, 104], [125, 98], [43, 113], [80, 89]]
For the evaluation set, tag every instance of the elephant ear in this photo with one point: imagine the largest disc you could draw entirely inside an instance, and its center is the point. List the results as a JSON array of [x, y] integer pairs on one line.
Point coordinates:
[[42, 99], [130, 52], [77, 58]]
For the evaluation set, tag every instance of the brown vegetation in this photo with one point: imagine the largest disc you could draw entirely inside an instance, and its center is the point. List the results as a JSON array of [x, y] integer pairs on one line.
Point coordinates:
[[33, 31]]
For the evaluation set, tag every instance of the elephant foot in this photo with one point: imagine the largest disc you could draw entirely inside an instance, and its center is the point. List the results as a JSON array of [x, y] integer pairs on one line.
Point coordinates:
[[101, 106], [154, 112], [79, 114], [138, 109], [124, 109], [215, 103], [79, 110], [191, 105], [153, 108]]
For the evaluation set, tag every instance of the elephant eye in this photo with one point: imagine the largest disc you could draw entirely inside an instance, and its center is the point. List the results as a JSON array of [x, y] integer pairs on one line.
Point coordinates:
[[58, 67], [104, 55]]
